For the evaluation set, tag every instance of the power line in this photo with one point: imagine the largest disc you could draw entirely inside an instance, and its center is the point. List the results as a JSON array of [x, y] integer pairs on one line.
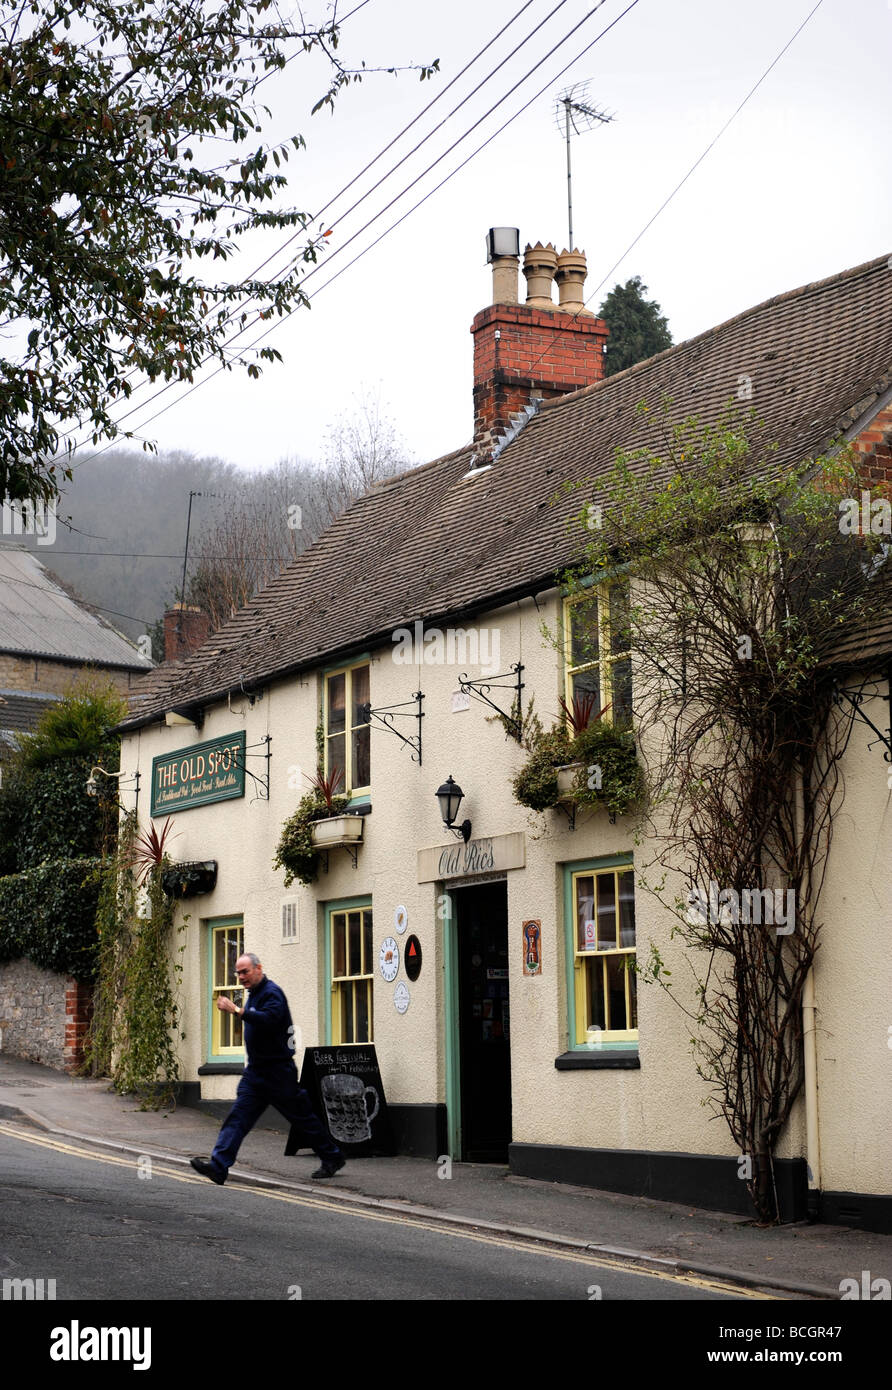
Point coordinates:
[[281, 319], [371, 163]]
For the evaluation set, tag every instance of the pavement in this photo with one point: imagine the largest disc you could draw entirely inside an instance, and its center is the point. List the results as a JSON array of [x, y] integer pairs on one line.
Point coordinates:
[[794, 1261]]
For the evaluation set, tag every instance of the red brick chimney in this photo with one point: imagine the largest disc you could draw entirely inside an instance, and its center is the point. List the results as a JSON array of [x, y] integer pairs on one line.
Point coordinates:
[[185, 629], [536, 350]]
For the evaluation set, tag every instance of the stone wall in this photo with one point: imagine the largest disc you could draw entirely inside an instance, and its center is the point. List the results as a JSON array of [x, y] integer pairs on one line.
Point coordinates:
[[57, 677], [43, 1016]]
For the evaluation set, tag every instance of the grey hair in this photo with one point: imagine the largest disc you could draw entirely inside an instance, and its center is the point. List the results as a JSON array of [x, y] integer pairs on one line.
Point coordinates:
[[249, 955]]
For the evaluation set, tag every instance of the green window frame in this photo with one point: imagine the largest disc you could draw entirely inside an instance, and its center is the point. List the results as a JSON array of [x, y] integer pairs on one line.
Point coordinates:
[[347, 733], [349, 972], [226, 942], [601, 957], [597, 657]]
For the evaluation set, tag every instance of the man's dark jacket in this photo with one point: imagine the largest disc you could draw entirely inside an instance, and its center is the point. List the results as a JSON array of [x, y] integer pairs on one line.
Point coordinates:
[[269, 1035]]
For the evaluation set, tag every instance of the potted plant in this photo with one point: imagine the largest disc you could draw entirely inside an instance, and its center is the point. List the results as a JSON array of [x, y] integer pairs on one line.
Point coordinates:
[[579, 716], [582, 760], [318, 823]]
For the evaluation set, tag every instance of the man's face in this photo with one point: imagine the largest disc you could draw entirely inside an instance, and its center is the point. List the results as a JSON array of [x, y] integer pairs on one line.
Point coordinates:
[[247, 973]]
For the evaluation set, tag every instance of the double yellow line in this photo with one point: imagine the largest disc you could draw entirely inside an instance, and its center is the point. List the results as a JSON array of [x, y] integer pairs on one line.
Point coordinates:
[[341, 1208]]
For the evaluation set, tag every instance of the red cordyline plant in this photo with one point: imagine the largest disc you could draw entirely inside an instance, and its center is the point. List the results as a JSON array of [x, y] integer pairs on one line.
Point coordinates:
[[581, 713], [150, 849], [327, 785]]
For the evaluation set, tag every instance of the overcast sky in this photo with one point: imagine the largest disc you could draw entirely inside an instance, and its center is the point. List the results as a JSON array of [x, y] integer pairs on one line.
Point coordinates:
[[796, 189]]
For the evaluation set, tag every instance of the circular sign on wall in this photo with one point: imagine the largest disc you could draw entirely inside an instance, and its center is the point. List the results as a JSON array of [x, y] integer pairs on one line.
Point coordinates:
[[412, 957], [401, 918], [389, 958], [401, 998]]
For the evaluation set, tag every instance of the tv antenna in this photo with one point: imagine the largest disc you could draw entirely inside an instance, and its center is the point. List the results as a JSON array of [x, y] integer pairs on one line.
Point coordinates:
[[575, 112]]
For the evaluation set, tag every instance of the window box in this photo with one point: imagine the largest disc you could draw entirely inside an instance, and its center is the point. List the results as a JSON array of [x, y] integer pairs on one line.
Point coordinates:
[[188, 880], [566, 780], [335, 831]]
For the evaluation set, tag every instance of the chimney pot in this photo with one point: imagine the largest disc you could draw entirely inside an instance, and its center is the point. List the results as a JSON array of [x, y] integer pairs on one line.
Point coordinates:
[[539, 264], [570, 276]]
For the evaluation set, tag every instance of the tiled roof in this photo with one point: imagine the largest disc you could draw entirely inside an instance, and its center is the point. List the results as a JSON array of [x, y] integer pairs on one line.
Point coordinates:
[[20, 710], [434, 542], [38, 618]]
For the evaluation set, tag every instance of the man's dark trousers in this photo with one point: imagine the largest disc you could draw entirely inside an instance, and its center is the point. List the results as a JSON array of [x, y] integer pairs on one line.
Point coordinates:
[[274, 1084]]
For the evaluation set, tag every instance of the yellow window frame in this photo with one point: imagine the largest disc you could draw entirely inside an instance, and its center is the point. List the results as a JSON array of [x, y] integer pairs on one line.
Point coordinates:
[[227, 1036], [602, 955], [351, 983], [607, 658], [349, 729]]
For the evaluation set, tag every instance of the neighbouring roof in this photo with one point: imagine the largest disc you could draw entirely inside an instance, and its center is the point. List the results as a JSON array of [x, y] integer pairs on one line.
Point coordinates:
[[434, 543], [19, 712], [38, 618]]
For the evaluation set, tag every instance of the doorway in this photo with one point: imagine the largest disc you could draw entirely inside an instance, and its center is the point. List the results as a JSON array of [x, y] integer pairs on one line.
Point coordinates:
[[483, 1022]]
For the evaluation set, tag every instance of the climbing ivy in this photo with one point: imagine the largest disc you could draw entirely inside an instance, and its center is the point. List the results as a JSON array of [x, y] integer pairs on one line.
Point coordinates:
[[136, 1016]]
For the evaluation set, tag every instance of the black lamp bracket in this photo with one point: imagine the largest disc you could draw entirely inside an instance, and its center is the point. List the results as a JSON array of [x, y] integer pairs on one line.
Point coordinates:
[[385, 715], [481, 688]]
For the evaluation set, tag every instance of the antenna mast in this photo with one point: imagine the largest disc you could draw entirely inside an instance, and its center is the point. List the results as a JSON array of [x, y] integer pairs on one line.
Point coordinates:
[[574, 110]]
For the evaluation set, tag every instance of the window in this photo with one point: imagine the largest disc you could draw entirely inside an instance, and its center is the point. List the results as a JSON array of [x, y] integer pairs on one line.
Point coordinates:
[[601, 952], [347, 727], [350, 957], [597, 645], [227, 944]]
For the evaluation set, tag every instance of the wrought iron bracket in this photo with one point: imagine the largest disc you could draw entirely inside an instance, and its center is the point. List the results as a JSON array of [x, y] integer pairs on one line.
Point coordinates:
[[855, 699], [569, 809], [263, 781], [480, 689], [384, 716], [352, 850]]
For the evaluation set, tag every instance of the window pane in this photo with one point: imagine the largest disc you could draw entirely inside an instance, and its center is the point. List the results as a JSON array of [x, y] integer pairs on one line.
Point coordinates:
[[336, 703], [359, 682], [584, 643], [363, 1032], [633, 993], [620, 636], [233, 951], [362, 741], [338, 944], [367, 957], [354, 958], [348, 1014], [595, 1016], [616, 990], [585, 907], [627, 909], [606, 912], [219, 958], [336, 759], [621, 691], [589, 681]]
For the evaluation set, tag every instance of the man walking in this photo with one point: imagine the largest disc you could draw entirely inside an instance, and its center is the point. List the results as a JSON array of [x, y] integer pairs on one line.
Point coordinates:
[[269, 1078]]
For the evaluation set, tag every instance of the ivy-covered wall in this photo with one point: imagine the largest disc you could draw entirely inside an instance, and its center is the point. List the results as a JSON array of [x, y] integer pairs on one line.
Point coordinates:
[[48, 915]]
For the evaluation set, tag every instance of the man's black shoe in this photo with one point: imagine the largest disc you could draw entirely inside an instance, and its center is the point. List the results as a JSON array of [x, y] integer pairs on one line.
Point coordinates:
[[329, 1168], [207, 1170]]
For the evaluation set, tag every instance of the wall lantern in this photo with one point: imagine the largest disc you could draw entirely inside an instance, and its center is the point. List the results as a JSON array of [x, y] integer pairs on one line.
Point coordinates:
[[449, 796], [93, 785]]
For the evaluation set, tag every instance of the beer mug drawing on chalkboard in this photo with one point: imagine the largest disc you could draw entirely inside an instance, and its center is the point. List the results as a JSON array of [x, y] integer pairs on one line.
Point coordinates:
[[347, 1107]]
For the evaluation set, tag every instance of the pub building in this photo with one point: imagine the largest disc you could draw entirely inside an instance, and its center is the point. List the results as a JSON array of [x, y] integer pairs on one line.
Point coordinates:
[[483, 949]]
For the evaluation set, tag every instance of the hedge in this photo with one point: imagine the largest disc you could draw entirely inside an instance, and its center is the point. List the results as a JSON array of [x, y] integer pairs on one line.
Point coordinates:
[[48, 914]]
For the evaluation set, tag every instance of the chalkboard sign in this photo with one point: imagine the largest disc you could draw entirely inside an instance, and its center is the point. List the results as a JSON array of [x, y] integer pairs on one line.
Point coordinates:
[[345, 1087]]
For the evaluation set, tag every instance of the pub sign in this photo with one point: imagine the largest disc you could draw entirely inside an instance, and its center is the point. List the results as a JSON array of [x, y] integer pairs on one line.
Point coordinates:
[[202, 773]]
